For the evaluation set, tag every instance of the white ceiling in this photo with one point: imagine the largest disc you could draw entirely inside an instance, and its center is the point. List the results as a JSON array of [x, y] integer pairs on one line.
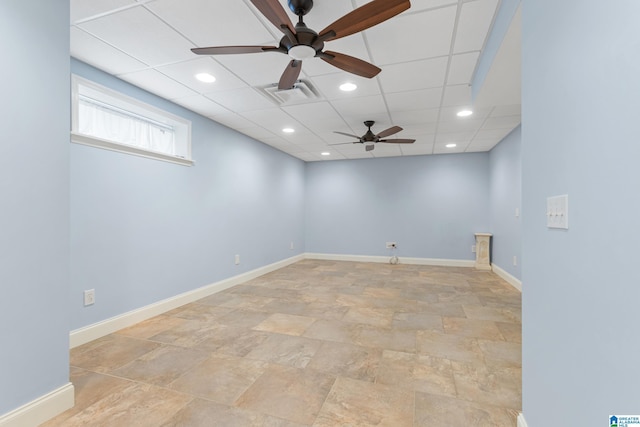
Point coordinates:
[[428, 55]]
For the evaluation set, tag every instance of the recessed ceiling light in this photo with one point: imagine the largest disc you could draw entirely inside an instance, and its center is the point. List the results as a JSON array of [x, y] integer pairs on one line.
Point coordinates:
[[205, 77], [451, 145], [288, 130], [325, 153], [464, 113], [348, 87]]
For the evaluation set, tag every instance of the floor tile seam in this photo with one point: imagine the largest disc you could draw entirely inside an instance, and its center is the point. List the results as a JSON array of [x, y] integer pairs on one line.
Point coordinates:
[[133, 382]]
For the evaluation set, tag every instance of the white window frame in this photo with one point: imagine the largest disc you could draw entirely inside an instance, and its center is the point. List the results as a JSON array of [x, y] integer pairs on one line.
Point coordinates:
[[181, 126]]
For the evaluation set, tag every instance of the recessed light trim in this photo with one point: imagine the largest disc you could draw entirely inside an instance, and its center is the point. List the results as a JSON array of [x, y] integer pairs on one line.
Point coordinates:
[[288, 130], [464, 113], [452, 145], [325, 153], [348, 87], [205, 77]]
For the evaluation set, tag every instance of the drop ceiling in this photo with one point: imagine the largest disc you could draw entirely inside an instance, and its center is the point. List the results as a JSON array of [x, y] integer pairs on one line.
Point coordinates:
[[428, 56]]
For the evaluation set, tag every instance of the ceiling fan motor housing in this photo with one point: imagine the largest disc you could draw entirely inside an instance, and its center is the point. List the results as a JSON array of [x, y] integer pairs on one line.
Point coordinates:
[[300, 7]]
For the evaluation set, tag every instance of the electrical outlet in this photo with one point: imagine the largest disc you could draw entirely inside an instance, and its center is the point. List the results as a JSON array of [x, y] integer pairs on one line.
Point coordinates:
[[391, 245], [473, 248], [89, 297], [237, 259]]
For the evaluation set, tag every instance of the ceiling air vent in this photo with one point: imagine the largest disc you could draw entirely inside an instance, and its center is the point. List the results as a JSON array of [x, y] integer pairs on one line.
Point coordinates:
[[301, 93]]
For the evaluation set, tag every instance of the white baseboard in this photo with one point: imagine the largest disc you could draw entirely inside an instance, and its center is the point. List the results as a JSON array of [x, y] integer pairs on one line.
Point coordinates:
[[40, 410], [521, 420], [513, 281], [97, 330], [401, 260]]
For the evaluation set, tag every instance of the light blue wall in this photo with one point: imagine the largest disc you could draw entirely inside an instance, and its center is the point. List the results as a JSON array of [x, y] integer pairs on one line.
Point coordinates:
[[144, 230], [506, 197], [34, 182], [430, 205], [580, 137]]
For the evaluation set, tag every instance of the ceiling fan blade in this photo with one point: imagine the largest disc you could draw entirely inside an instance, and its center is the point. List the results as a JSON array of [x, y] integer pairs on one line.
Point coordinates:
[[290, 75], [275, 13], [350, 64], [366, 16], [345, 143], [347, 134], [231, 50], [390, 131], [399, 141]]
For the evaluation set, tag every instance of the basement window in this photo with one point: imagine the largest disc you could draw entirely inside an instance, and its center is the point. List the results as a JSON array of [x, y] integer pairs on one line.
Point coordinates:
[[107, 119]]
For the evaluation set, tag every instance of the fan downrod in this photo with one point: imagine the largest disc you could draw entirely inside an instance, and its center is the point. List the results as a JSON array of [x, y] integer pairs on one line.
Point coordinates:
[[300, 7]]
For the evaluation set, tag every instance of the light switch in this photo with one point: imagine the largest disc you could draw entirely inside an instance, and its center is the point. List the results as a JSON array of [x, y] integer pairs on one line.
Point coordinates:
[[558, 212]]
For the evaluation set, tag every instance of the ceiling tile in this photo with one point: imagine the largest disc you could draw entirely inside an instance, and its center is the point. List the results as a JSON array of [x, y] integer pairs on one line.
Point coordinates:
[[474, 22], [201, 105], [416, 117], [304, 138], [139, 33], [274, 120], [158, 83], [496, 134], [241, 100], [421, 139], [425, 129], [411, 37], [505, 122], [414, 100], [329, 86], [416, 150], [83, 9], [469, 125], [210, 23], [428, 73], [320, 116], [185, 73], [460, 138], [441, 149], [506, 110], [479, 146], [233, 120], [307, 157], [84, 47], [458, 95], [257, 132], [462, 68], [449, 114], [357, 110]]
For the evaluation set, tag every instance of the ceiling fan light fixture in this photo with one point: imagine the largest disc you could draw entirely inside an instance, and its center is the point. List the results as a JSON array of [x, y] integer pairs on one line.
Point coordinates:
[[205, 77], [464, 113], [348, 87], [301, 52]]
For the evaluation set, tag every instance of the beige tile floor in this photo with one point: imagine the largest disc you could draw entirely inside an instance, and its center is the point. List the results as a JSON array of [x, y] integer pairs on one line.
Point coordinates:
[[318, 343]]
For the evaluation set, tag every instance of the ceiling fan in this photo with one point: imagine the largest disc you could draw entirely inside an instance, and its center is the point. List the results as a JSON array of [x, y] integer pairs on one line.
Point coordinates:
[[370, 138], [301, 42]]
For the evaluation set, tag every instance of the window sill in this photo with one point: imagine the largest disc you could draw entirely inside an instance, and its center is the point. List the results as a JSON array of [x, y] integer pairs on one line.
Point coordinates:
[[127, 149]]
